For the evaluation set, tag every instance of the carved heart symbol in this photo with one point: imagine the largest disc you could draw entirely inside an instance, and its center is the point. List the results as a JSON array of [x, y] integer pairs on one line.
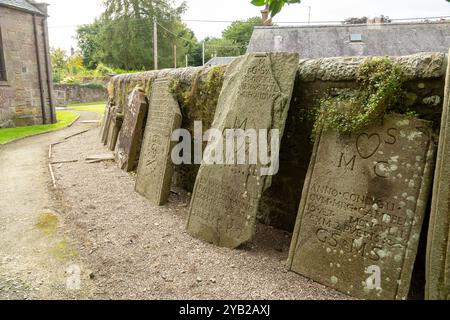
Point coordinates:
[[368, 145]]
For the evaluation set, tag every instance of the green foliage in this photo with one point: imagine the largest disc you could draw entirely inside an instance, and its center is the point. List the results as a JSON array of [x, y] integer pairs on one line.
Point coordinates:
[[87, 37], [221, 47], [274, 6], [71, 70], [380, 92], [234, 40], [240, 32], [123, 36]]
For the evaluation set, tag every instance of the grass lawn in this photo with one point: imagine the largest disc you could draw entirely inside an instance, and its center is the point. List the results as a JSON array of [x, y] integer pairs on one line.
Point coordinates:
[[98, 107], [64, 119]]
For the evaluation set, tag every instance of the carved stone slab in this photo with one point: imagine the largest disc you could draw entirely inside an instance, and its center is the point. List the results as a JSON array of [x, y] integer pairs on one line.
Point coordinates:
[[105, 124], [362, 209], [155, 168], [438, 251], [256, 95], [130, 137]]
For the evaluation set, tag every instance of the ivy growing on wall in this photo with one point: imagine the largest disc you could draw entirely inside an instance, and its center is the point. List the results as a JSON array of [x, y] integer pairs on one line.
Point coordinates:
[[380, 91]]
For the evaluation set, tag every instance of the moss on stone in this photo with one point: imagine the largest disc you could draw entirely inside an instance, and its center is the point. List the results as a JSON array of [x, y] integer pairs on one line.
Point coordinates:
[[198, 100], [380, 91]]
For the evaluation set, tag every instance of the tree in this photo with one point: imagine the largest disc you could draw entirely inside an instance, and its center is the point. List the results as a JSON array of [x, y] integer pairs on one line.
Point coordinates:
[[59, 63], [240, 32], [87, 37], [59, 58], [122, 36], [274, 6], [221, 47]]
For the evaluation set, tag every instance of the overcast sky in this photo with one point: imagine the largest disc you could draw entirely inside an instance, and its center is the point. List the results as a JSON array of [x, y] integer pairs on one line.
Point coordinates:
[[65, 15]]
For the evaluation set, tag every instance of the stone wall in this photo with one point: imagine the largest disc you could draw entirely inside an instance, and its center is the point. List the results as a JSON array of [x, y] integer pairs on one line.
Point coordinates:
[[79, 93], [321, 41], [20, 95], [197, 91]]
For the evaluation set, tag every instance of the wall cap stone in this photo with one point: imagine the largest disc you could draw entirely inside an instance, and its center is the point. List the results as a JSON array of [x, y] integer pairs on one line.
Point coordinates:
[[416, 66]]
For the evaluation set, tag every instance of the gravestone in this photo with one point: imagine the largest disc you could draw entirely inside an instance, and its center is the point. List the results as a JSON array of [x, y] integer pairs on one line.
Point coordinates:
[[155, 170], [255, 95], [106, 123], [130, 137], [362, 209], [114, 128], [438, 251]]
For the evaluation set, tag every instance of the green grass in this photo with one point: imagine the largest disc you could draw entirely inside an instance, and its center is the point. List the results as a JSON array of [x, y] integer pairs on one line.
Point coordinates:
[[64, 119], [97, 107]]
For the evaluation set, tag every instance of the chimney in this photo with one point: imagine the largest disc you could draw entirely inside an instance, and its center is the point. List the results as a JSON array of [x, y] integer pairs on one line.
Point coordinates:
[[43, 7]]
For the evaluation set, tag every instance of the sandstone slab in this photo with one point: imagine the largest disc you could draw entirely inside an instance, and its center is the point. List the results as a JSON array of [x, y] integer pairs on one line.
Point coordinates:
[[255, 96], [155, 170], [438, 251], [362, 209], [130, 137], [105, 124]]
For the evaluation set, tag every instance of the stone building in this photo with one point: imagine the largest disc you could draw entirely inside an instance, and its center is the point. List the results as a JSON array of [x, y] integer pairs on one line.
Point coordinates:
[[26, 84], [371, 39]]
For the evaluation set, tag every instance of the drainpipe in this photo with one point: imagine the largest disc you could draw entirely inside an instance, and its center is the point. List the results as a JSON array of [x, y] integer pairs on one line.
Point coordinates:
[[38, 58], [48, 69]]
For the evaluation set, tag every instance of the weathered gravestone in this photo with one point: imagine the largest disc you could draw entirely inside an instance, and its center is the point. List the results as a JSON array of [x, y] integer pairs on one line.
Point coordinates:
[[114, 126], [256, 95], [106, 123], [155, 170], [130, 137], [362, 209], [104, 120], [438, 251]]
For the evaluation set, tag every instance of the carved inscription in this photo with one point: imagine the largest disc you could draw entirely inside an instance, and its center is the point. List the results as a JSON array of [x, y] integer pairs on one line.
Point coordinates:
[[363, 206], [226, 197], [155, 166]]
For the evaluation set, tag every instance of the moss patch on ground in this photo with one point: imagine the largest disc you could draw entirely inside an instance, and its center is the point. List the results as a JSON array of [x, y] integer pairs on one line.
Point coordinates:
[[64, 117], [48, 223], [64, 251]]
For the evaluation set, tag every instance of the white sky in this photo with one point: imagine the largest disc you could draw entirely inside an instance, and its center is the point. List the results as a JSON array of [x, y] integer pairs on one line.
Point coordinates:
[[65, 15]]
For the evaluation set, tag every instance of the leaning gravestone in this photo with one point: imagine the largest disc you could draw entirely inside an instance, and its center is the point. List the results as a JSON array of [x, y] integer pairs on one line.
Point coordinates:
[[256, 95], [102, 133], [438, 251], [362, 209], [130, 137], [106, 123], [155, 170], [113, 127]]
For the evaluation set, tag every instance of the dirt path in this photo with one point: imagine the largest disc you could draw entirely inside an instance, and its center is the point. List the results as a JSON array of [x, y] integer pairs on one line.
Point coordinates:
[[34, 250]]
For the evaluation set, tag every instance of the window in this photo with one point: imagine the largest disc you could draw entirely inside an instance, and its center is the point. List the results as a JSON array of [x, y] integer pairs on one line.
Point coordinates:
[[2, 60], [356, 37]]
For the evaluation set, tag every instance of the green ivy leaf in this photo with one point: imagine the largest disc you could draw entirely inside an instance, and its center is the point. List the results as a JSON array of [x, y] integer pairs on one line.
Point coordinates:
[[259, 3]]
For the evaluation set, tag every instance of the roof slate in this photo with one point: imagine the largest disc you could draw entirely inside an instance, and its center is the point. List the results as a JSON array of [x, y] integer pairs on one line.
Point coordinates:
[[21, 5]]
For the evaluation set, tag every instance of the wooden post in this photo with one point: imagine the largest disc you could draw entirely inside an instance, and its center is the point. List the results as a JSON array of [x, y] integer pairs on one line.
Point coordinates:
[[203, 52], [174, 55], [155, 43]]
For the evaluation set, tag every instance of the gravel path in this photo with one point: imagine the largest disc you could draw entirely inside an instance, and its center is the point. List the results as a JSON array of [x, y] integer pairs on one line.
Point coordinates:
[[34, 250], [132, 250]]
